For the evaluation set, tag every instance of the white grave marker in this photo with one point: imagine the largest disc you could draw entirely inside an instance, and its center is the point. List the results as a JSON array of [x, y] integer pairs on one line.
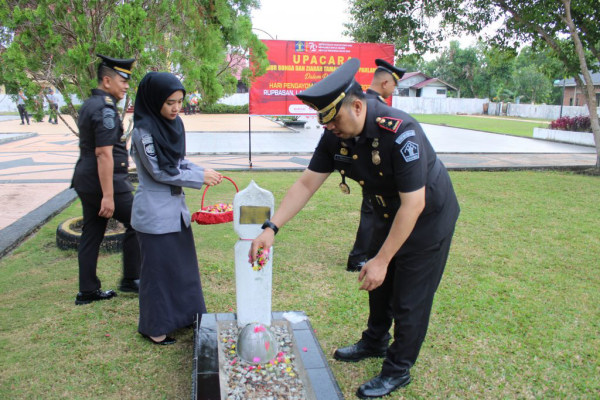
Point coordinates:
[[251, 207]]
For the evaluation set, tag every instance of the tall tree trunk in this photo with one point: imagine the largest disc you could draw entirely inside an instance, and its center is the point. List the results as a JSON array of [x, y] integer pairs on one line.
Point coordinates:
[[590, 94]]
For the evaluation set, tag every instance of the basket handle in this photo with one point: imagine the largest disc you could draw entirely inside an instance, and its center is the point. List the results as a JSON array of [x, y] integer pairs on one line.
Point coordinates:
[[206, 188]]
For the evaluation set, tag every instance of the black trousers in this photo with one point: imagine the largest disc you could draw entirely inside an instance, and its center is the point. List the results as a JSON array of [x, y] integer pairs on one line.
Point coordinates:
[[364, 232], [405, 298], [23, 113], [94, 227]]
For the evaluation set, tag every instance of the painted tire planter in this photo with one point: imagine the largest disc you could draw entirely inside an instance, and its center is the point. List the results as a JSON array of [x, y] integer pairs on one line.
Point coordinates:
[[68, 235]]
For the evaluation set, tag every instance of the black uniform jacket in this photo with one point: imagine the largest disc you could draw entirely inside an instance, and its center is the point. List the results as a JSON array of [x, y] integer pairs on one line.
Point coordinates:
[[392, 155], [372, 94], [99, 125]]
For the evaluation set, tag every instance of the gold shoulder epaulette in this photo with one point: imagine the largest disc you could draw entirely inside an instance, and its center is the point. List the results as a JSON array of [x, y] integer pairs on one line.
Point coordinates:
[[108, 101], [389, 123]]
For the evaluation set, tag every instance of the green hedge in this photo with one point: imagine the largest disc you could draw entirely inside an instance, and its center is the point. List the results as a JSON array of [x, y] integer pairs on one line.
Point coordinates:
[[65, 109], [208, 109], [224, 109]]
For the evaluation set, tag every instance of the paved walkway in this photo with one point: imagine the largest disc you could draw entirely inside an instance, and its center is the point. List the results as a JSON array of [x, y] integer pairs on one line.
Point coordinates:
[[37, 160]]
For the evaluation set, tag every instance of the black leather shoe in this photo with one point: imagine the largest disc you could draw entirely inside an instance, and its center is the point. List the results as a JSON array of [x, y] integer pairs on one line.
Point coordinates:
[[88, 297], [130, 285], [356, 264], [382, 385], [165, 342], [358, 351]]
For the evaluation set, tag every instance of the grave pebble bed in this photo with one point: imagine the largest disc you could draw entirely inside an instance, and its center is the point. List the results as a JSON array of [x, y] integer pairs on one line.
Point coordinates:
[[276, 379]]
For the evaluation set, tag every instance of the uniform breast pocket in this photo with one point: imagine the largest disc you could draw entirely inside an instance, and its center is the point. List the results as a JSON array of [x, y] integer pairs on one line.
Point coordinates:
[[342, 163]]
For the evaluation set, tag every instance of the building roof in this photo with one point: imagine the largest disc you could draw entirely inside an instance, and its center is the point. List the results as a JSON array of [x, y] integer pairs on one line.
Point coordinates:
[[431, 81], [427, 80], [571, 81]]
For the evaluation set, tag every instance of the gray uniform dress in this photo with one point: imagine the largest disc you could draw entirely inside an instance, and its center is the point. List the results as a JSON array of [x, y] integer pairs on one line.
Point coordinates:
[[170, 288]]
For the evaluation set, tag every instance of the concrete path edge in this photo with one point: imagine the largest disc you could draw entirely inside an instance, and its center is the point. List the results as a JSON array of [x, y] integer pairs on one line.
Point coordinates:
[[18, 231]]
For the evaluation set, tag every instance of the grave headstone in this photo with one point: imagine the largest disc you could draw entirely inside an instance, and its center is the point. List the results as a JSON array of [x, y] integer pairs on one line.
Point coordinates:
[[251, 207]]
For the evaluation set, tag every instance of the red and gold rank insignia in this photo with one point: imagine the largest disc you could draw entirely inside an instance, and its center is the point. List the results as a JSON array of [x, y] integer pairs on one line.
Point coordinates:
[[388, 123]]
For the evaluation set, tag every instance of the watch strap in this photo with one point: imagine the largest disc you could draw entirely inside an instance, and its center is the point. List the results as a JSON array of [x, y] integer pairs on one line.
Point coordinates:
[[269, 224]]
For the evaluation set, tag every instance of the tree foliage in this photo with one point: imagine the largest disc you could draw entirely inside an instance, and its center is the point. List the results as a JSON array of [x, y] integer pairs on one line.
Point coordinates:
[[55, 43], [416, 26]]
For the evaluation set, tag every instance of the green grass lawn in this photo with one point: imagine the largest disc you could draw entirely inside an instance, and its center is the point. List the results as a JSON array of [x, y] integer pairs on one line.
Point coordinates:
[[510, 126], [516, 315]]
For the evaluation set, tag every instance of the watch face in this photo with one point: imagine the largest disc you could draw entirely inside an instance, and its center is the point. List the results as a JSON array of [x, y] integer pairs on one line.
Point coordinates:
[[344, 188]]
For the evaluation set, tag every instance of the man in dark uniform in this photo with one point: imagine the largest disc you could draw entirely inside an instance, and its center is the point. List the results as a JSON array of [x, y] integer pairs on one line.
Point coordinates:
[[415, 212], [101, 180], [384, 81]]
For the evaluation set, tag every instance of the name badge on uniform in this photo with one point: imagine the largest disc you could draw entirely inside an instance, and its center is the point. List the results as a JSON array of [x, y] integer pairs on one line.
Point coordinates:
[[345, 159]]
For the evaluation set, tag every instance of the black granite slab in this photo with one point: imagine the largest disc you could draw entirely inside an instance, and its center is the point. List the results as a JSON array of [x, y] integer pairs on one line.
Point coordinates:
[[206, 384]]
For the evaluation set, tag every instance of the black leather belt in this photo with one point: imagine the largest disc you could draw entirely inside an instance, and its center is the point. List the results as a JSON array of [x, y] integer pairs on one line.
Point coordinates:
[[176, 190]]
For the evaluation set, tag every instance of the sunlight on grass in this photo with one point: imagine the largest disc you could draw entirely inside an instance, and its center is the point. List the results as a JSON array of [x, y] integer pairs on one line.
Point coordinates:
[[505, 125]]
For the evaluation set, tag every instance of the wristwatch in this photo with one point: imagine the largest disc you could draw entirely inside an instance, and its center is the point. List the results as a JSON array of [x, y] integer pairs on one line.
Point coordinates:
[[269, 224]]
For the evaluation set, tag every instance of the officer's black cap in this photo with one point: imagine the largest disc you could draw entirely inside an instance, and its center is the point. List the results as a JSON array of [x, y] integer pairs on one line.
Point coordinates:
[[386, 66], [326, 95], [121, 66]]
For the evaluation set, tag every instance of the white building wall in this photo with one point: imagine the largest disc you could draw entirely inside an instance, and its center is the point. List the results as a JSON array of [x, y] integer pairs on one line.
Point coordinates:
[[236, 99], [431, 91], [417, 105], [439, 105]]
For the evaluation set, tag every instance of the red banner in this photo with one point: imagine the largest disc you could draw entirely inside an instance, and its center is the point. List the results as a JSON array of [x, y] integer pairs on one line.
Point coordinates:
[[296, 65]]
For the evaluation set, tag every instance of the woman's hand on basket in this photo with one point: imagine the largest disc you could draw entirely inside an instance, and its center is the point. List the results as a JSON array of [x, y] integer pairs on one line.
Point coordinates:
[[212, 177]]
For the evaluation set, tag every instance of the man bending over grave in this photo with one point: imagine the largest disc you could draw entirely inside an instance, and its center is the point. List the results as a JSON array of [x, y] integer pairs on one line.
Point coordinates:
[[386, 151]]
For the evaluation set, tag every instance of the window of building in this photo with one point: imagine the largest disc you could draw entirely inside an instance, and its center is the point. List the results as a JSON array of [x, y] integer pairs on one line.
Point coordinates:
[[440, 91], [403, 92]]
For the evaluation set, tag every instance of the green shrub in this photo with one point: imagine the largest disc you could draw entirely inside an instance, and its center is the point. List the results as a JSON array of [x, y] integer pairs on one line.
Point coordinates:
[[224, 109], [65, 109]]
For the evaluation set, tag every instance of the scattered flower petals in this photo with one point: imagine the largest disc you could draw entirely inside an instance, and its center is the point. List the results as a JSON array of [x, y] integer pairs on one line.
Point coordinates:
[[217, 208], [261, 259], [304, 349]]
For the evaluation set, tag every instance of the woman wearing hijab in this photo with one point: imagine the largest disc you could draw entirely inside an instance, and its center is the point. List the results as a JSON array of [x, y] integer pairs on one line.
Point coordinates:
[[170, 288]]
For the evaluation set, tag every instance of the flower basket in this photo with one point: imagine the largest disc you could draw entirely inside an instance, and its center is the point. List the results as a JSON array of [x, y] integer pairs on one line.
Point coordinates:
[[219, 213]]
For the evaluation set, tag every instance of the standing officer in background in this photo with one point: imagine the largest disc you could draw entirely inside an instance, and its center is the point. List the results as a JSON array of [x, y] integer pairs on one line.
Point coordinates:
[[52, 107], [22, 108], [101, 180], [415, 211], [384, 81]]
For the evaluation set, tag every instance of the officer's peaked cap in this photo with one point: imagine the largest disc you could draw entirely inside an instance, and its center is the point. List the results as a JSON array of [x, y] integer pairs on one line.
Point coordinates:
[[386, 66], [121, 66], [326, 95]]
